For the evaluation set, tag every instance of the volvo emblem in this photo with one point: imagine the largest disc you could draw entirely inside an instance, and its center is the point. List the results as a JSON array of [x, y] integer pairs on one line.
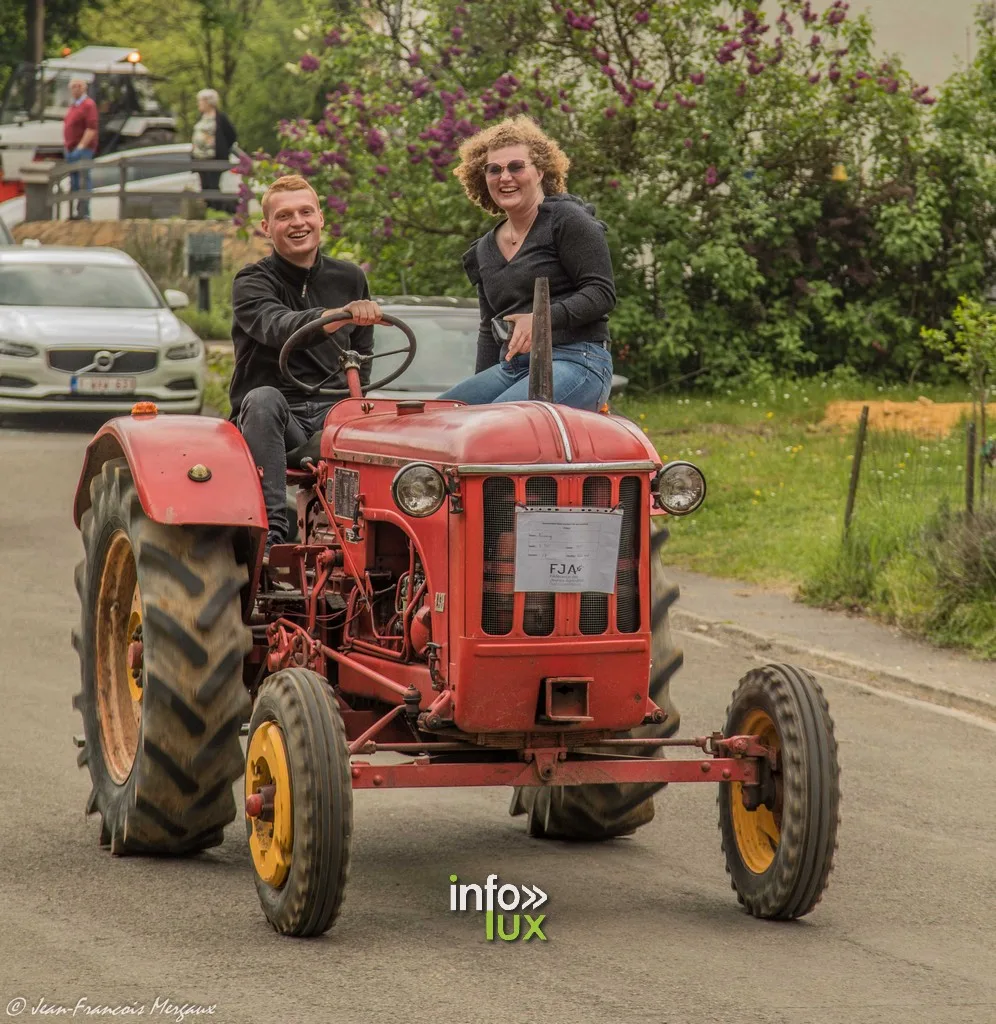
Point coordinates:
[[103, 361]]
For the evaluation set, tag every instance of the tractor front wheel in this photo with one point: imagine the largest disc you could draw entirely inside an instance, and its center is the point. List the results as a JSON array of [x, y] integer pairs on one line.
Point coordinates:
[[161, 644], [779, 836], [299, 802]]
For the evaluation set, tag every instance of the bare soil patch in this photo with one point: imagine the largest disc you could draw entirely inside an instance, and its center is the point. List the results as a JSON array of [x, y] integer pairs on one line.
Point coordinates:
[[923, 417]]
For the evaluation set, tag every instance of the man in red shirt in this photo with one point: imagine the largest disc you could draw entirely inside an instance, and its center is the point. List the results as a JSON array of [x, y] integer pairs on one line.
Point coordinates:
[[79, 136]]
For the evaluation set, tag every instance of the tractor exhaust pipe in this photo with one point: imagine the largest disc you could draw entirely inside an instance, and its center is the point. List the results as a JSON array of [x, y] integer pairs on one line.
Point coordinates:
[[541, 352]]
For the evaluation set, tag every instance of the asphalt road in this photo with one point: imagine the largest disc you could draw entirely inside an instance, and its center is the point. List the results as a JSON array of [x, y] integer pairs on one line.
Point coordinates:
[[644, 929]]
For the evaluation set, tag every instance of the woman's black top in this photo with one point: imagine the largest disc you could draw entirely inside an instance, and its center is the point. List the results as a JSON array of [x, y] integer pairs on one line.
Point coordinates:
[[565, 244], [224, 136]]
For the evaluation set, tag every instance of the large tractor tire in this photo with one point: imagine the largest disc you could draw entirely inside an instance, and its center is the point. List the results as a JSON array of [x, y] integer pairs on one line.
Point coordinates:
[[161, 646], [300, 834], [595, 812], [779, 844]]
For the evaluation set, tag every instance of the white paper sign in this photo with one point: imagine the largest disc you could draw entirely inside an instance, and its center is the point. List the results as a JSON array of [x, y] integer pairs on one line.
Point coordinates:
[[567, 550]]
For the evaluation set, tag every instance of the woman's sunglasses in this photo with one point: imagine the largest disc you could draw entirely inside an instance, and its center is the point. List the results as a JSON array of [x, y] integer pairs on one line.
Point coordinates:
[[513, 167]]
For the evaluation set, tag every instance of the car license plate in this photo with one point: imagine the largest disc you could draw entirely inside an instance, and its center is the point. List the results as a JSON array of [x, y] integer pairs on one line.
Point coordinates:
[[94, 384]]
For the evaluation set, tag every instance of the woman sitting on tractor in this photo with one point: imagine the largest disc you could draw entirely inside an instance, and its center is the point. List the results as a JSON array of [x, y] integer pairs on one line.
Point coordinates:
[[514, 170]]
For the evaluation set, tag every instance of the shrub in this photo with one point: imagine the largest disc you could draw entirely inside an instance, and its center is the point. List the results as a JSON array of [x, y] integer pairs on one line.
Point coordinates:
[[714, 150]]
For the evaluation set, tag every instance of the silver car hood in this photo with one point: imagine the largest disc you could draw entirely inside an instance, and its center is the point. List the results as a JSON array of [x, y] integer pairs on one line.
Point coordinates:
[[55, 326], [401, 396]]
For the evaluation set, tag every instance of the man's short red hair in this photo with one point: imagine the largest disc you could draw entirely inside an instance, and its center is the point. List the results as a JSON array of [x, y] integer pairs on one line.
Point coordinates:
[[288, 183]]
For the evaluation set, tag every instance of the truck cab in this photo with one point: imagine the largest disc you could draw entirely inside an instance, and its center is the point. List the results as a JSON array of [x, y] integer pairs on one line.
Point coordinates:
[[37, 97]]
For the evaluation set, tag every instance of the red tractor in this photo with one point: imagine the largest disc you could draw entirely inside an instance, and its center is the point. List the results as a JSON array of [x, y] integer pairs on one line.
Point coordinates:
[[478, 589]]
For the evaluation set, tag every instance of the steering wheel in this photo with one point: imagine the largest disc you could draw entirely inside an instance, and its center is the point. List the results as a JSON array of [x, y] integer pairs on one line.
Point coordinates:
[[347, 357]]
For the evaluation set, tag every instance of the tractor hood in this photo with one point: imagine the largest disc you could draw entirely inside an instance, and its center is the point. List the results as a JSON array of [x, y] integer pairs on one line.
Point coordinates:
[[508, 434]]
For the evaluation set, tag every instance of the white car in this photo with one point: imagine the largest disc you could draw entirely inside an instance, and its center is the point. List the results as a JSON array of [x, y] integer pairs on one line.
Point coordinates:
[[86, 330]]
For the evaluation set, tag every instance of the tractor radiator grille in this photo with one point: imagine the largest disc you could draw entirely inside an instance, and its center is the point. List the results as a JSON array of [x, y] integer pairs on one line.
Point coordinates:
[[537, 616], [540, 610], [499, 555], [595, 607], [628, 568]]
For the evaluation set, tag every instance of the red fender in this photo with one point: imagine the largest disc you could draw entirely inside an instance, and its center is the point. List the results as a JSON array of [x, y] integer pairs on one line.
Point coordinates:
[[161, 450]]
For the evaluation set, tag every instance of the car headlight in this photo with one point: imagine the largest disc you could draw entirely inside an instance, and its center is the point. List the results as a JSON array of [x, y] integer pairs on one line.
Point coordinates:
[[681, 488], [17, 348], [188, 350], [418, 490]]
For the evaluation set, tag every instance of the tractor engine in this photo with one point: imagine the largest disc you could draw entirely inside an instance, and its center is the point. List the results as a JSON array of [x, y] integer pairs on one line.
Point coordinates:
[[420, 560]]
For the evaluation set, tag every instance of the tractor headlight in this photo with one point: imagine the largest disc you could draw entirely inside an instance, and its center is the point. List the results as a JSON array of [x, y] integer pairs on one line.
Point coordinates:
[[418, 490], [17, 348], [681, 488]]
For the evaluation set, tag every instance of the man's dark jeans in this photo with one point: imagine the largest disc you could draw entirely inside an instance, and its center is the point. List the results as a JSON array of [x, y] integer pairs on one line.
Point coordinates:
[[273, 426]]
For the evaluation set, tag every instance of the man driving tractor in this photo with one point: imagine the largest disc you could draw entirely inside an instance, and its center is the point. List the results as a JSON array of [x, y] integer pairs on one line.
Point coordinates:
[[270, 300]]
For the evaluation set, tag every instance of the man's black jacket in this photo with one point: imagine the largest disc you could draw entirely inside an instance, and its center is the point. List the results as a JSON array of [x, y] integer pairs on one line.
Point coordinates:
[[271, 299]]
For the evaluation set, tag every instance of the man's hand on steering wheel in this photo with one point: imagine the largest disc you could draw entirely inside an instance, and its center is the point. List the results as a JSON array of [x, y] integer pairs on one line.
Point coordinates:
[[364, 311], [361, 311]]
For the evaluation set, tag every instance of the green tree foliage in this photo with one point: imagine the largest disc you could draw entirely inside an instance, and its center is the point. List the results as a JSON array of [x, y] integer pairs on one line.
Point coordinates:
[[16, 19], [971, 350], [238, 47], [711, 139]]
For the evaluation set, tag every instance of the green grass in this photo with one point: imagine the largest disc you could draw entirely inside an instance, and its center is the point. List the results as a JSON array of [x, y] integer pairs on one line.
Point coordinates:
[[216, 386], [777, 487], [777, 478]]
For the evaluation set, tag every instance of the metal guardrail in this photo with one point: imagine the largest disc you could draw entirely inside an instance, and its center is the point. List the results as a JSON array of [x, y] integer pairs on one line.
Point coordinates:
[[43, 191]]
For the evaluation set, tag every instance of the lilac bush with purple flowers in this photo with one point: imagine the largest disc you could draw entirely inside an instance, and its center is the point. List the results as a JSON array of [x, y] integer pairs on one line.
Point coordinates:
[[708, 136]]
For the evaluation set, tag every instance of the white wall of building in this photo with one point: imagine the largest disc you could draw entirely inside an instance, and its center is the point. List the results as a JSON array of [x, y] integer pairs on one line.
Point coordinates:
[[933, 36]]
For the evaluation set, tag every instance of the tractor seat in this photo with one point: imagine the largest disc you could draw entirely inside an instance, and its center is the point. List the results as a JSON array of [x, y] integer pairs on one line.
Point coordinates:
[[311, 449]]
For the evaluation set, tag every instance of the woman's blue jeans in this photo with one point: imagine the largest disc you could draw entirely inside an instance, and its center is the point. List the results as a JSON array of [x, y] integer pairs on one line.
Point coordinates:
[[582, 378]]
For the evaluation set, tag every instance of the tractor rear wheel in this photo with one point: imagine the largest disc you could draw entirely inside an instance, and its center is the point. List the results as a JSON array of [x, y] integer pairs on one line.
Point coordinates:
[[161, 644], [779, 837], [595, 812], [300, 831]]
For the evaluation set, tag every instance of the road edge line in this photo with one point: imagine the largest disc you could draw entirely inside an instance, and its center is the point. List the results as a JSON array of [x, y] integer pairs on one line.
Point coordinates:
[[819, 660]]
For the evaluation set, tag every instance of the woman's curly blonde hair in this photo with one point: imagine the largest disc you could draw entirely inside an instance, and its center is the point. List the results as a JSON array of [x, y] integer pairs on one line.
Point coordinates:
[[513, 131]]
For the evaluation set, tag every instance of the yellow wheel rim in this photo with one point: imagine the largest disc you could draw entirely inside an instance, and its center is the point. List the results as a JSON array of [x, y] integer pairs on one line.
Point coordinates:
[[757, 832], [134, 625], [270, 842], [119, 693]]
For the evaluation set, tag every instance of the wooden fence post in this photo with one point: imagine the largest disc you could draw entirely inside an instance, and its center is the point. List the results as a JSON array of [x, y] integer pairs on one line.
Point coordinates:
[[970, 469], [37, 179], [852, 490]]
